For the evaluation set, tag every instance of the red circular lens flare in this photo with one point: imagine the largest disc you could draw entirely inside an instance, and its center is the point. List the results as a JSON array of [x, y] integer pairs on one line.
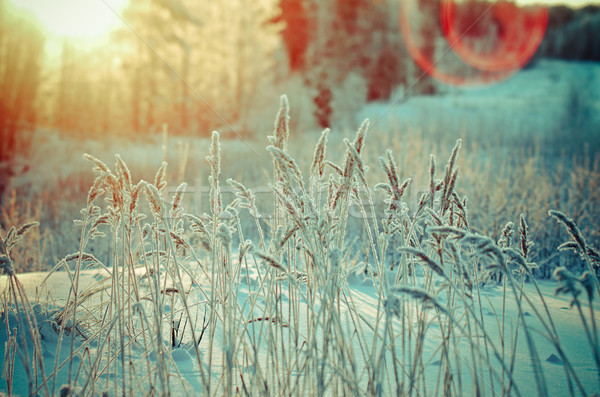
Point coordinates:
[[507, 35], [484, 42]]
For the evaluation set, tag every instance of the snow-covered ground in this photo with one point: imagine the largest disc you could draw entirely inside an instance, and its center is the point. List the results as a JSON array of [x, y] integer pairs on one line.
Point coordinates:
[[548, 100], [365, 303]]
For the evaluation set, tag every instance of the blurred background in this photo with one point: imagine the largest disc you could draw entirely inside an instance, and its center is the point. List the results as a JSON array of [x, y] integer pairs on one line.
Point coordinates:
[[151, 79], [119, 67]]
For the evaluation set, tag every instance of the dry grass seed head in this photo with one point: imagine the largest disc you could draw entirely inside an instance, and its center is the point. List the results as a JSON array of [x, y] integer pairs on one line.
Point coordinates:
[[594, 256], [155, 199], [352, 162], [135, 195], [453, 157], [335, 167], [287, 166], [431, 180], [438, 221], [179, 240], [451, 174], [452, 184], [390, 170], [571, 228], [24, 229], [14, 236], [291, 208], [116, 191], [214, 158], [358, 144], [361, 134], [269, 260], [462, 209], [293, 229], [123, 172], [525, 243], [385, 187], [178, 196], [404, 186], [247, 198], [357, 162], [433, 265], [505, 238], [197, 225], [100, 166], [160, 179], [432, 169], [486, 247], [318, 164], [281, 132], [96, 189], [517, 257]]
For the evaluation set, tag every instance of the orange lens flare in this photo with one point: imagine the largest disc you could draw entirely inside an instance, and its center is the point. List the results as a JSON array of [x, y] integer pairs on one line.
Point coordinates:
[[484, 42]]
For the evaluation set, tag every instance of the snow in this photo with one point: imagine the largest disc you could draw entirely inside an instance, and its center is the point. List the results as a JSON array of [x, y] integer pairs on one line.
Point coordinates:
[[365, 299], [550, 99]]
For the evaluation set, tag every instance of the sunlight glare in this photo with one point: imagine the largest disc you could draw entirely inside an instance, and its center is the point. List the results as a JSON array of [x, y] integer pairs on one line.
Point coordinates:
[[77, 19]]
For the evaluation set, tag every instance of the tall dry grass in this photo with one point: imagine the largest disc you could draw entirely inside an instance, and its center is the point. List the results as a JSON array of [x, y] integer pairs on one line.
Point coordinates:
[[257, 303]]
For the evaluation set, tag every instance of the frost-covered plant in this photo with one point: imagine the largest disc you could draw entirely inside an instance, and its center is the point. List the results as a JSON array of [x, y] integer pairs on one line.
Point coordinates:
[[27, 334], [278, 315]]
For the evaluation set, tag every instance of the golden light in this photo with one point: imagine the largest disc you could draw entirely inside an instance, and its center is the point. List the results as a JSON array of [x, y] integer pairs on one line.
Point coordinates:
[[87, 20]]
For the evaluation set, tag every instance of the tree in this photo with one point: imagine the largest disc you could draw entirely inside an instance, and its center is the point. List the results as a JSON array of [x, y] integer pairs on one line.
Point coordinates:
[[160, 29], [351, 37], [295, 32], [198, 65], [21, 50]]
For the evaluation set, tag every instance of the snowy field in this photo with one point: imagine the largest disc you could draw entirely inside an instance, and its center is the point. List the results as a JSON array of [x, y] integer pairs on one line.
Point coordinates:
[[548, 101], [365, 305], [429, 306]]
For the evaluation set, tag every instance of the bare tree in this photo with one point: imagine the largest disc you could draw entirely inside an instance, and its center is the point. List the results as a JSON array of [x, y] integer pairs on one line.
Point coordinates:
[[21, 50]]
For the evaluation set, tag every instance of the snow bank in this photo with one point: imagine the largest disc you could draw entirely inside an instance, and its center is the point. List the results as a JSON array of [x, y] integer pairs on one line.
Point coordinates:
[[548, 100]]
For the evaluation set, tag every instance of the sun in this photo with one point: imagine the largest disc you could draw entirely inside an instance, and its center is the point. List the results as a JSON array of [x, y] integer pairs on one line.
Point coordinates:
[[87, 20]]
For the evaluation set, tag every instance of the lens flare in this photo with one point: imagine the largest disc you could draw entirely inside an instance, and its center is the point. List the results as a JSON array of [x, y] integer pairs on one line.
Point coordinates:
[[471, 42]]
